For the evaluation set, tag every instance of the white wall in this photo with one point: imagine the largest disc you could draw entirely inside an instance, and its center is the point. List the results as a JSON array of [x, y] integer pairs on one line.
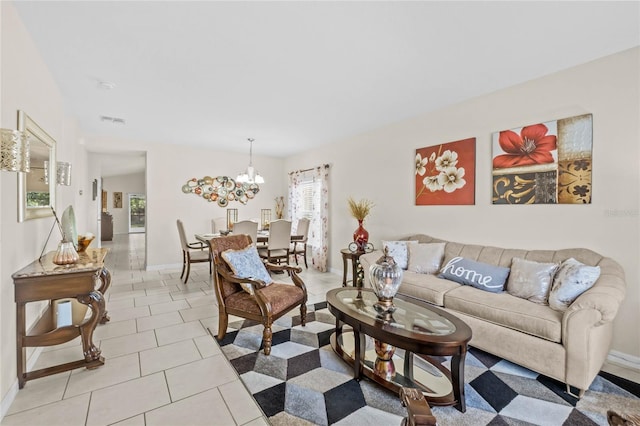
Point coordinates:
[[171, 166], [27, 85], [379, 165], [126, 184]]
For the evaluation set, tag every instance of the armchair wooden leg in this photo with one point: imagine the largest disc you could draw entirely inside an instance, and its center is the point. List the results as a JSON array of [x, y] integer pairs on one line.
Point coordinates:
[[266, 339], [223, 323]]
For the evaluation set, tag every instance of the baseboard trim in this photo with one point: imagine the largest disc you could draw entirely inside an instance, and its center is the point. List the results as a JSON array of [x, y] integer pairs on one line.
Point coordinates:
[[165, 266], [13, 390], [624, 360], [8, 399]]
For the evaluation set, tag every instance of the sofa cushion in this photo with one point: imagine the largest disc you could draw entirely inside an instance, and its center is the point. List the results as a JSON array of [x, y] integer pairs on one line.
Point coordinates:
[[531, 280], [398, 250], [572, 279], [426, 287], [508, 311], [425, 258], [477, 274]]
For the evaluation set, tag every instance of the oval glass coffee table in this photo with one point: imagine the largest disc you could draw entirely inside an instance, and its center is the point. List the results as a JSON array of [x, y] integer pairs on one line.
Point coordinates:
[[426, 338]]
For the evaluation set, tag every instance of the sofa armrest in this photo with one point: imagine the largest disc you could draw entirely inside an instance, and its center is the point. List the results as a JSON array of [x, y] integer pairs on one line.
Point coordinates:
[[605, 296], [366, 260]]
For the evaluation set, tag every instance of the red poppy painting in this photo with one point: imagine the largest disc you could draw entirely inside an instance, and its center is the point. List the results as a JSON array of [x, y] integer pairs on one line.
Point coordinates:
[[445, 173], [544, 163]]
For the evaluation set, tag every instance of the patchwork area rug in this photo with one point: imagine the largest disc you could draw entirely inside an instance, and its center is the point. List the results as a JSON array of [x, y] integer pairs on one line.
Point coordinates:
[[304, 382]]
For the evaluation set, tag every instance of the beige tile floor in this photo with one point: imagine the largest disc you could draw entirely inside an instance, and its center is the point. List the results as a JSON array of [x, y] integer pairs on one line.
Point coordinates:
[[162, 365]]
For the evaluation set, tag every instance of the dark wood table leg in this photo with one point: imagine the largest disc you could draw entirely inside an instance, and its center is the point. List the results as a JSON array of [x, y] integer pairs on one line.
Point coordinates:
[[21, 351], [344, 270], [105, 280], [359, 355], [354, 272], [408, 365], [457, 379]]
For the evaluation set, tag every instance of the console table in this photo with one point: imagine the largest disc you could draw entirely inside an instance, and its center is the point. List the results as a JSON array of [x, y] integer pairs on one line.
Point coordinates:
[[86, 281]]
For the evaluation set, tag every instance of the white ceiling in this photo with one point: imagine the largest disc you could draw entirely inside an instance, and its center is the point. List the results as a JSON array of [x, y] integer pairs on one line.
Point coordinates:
[[294, 75]]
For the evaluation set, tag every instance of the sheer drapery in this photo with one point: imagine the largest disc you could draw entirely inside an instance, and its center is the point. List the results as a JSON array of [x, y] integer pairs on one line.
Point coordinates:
[[309, 197]]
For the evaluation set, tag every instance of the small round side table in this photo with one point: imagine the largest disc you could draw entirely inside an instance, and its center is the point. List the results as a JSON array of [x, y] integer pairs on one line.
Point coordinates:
[[356, 269]]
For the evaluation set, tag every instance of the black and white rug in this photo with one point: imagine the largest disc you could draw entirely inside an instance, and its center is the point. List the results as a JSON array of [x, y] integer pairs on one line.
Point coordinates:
[[304, 382]]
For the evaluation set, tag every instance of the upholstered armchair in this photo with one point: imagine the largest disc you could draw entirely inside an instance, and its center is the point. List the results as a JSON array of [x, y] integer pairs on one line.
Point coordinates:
[[245, 288]]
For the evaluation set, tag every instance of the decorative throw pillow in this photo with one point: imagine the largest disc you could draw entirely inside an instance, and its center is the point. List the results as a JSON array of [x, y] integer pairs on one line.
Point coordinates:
[[246, 263], [477, 274], [398, 250], [572, 279], [425, 258], [531, 280]]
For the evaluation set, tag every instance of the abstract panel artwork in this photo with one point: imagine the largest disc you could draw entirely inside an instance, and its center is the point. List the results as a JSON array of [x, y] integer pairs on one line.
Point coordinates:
[[445, 174], [544, 163]]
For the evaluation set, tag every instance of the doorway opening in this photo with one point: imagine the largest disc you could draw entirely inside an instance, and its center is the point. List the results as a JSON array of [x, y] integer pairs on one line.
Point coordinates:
[[137, 213]]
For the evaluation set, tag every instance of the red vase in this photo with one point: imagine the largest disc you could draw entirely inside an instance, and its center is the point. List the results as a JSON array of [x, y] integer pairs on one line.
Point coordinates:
[[361, 236]]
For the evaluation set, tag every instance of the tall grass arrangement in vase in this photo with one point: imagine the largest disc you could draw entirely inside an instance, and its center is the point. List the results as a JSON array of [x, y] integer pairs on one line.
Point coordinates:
[[360, 210]]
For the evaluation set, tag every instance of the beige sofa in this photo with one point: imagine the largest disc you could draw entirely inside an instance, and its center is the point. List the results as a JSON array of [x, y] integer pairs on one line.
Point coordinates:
[[569, 346]]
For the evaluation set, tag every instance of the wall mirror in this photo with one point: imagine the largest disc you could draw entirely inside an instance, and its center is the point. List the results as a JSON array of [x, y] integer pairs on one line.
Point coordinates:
[[37, 189]]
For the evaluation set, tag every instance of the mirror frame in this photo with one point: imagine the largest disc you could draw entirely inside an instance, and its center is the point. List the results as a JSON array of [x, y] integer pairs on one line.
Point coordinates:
[[26, 124]]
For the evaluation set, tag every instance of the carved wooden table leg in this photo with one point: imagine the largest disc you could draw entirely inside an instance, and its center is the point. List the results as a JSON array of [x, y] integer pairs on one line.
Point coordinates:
[[96, 302], [105, 280]]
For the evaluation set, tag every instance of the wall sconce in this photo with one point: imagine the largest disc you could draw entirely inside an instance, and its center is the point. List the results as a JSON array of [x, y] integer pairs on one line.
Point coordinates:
[[14, 151], [63, 173]]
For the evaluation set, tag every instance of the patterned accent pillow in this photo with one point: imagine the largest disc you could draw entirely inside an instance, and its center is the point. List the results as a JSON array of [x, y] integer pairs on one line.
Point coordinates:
[[531, 280], [425, 258], [246, 263], [480, 275], [572, 279], [398, 250]]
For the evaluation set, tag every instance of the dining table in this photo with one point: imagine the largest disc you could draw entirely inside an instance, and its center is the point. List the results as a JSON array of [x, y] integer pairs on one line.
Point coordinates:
[[262, 238]]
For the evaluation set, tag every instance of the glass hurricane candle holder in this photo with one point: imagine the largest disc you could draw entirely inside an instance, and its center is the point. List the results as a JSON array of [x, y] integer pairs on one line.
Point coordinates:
[[66, 254], [385, 276]]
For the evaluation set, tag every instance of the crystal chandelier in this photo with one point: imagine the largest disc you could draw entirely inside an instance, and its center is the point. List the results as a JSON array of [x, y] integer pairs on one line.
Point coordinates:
[[250, 175]]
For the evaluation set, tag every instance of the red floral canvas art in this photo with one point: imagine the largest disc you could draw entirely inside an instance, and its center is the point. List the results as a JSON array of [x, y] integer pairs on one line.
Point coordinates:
[[544, 163], [446, 173]]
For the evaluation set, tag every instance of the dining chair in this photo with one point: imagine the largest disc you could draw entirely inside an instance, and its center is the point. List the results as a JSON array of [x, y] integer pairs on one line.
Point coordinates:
[[299, 246], [195, 252], [278, 243], [218, 224], [245, 289], [248, 227]]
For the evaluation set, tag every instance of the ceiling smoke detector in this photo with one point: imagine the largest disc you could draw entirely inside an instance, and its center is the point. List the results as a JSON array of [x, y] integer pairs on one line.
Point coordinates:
[[106, 85], [115, 120]]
